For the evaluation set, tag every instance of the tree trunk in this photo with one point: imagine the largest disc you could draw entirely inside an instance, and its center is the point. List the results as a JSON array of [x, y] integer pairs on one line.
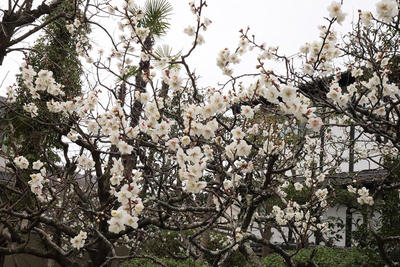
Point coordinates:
[[266, 234], [251, 257]]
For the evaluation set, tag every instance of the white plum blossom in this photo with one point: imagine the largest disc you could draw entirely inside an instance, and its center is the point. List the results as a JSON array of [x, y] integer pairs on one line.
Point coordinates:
[[314, 123], [247, 112], [288, 93], [36, 184], [366, 18], [124, 148], [72, 135], [321, 177], [142, 33], [298, 186], [335, 11], [174, 80], [139, 207], [227, 184], [85, 163], [21, 162], [78, 241], [357, 72], [387, 9], [32, 109], [237, 148], [37, 165], [185, 140], [28, 72], [190, 30], [195, 187], [308, 69], [92, 126], [173, 144], [237, 133], [364, 197], [321, 193]]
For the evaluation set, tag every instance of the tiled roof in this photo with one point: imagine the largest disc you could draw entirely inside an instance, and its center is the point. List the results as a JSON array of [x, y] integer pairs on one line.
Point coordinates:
[[4, 176], [364, 176]]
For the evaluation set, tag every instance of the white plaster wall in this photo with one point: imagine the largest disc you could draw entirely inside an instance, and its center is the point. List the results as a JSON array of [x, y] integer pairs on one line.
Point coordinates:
[[333, 212], [2, 164], [363, 140]]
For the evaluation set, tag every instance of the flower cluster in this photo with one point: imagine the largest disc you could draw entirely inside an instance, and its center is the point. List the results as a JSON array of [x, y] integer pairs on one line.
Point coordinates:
[[37, 179], [363, 195], [78, 241], [21, 162], [32, 109], [85, 162], [387, 9], [128, 197], [335, 11], [36, 183], [303, 220], [44, 82], [76, 29], [319, 54], [192, 163]]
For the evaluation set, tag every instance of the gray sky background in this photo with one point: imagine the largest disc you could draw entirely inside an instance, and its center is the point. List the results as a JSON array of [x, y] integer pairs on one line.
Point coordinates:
[[284, 23]]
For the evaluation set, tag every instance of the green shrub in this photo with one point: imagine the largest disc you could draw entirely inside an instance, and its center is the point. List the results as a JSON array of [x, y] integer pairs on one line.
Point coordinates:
[[162, 244], [167, 261], [326, 257], [165, 243], [216, 242]]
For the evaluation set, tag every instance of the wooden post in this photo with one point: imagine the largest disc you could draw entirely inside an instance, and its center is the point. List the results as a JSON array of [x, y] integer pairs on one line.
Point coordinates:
[[317, 234], [349, 225], [349, 215], [351, 149]]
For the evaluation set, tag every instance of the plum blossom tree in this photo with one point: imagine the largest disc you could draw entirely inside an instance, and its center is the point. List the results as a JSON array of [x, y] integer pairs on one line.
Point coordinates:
[[150, 148]]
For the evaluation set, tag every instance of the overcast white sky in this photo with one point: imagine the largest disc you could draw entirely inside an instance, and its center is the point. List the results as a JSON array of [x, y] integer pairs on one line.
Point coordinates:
[[284, 23]]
